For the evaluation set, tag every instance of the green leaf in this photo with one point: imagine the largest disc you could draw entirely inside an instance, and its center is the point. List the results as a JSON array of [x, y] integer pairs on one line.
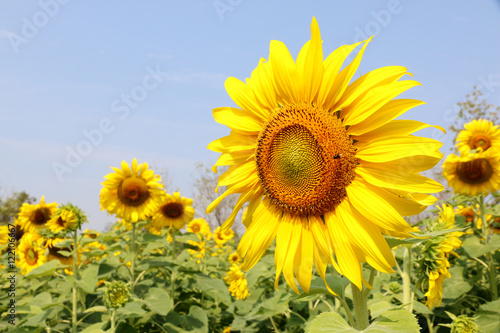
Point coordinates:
[[421, 308], [46, 269], [376, 309], [455, 286], [88, 281], [329, 322], [105, 269], [489, 317], [158, 300], [196, 321], [337, 284], [421, 237], [162, 243], [214, 288], [98, 308], [96, 328], [132, 309], [397, 321], [37, 319], [475, 248]]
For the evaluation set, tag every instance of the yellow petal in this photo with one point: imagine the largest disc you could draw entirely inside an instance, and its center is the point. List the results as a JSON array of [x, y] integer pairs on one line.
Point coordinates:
[[342, 80], [379, 76], [368, 103], [396, 128], [391, 148], [261, 82], [234, 158], [284, 74], [310, 66], [244, 97], [348, 263], [303, 261], [379, 176], [238, 120], [233, 142], [386, 113], [259, 235], [365, 200]]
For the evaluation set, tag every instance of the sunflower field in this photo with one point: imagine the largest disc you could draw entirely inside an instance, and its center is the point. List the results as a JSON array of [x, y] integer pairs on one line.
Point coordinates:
[[343, 227]]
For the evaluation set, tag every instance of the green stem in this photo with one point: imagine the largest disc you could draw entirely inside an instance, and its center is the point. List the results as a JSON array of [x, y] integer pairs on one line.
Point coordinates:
[[360, 308], [75, 274], [75, 323], [132, 264], [347, 311], [489, 257], [113, 314], [274, 325], [172, 289], [406, 278]]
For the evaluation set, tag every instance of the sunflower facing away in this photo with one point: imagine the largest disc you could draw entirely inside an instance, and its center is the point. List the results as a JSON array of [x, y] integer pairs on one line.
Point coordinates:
[[325, 168], [34, 217], [473, 173], [174, 211], [436, 252], [131, 193], [478, 134]]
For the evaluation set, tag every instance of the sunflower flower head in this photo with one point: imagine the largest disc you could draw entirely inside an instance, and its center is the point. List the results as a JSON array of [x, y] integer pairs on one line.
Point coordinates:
[[174, 211], [435, 253], [467, 212], [60, 252], [323, 165], [132, 194], [200, 226], [33, 217], [478, 134], [67, 218], [238, 285], [198, 249], [117, 294], [219, 236], [473, 173], [234, 258], [31, 252]]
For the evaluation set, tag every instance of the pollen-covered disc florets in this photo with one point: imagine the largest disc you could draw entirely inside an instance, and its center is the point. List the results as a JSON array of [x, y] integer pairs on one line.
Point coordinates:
[[305, 159]]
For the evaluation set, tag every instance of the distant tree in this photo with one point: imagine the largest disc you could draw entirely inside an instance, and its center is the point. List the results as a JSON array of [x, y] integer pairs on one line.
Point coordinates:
[[204, 193], [474, 107], [9, 207]]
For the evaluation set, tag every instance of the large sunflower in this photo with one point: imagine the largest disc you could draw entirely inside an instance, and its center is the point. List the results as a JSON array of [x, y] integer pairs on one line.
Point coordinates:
[[479, 134], [174, 211], [131, 194], [35, 217], [325, 168], [473, 173]]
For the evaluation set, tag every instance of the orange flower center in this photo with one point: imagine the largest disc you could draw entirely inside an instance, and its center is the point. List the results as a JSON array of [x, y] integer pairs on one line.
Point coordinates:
[[476, 171], [31, 256], [305, 159], [133, 191], [480, 141], [172, 210], [196, 228]]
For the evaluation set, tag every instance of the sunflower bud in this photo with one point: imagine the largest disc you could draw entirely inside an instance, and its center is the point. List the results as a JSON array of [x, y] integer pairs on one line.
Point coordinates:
[[464, 324], [395, 287], [116, 294]]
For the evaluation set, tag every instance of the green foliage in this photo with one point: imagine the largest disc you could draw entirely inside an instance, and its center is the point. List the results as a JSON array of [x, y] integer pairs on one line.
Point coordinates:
[[9, 207]]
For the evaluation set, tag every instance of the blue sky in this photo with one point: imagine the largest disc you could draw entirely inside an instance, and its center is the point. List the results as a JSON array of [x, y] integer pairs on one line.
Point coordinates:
[[115, 80]]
